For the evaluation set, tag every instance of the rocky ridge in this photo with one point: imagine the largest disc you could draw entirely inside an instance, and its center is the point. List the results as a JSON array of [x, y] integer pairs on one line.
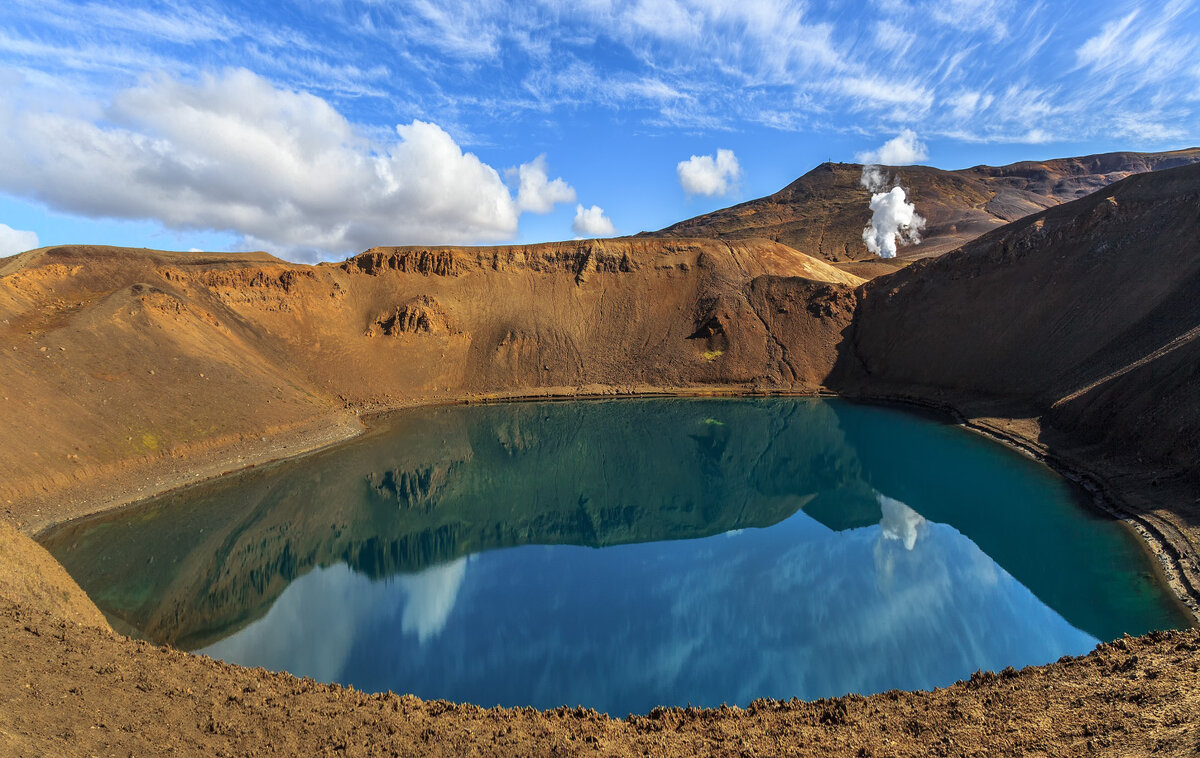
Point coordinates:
[[823, 212]]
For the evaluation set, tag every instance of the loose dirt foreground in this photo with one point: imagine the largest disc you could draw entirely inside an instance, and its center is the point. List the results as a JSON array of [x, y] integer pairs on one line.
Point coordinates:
[[73, 690]]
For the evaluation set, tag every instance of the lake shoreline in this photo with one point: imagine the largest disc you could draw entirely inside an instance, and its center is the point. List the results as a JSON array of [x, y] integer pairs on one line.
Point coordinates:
[[1164, 541], [210, 704]]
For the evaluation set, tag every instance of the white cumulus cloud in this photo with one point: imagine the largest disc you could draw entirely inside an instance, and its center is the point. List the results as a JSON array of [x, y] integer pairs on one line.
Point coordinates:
[[902, 150], [535, 191], [591, 222], [14, 241], [709, 175], [282, 169]]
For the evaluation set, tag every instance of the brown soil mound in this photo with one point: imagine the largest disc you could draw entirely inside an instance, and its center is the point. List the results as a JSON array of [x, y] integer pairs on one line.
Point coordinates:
[[823, 212], [30, 575]]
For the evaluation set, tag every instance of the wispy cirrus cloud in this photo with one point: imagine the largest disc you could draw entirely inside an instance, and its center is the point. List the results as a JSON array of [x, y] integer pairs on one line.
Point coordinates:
[[1140, 49], [169, 21], [706, 65]]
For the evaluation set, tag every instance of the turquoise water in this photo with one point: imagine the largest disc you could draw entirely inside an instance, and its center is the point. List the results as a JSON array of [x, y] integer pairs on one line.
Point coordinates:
[[628, 554]]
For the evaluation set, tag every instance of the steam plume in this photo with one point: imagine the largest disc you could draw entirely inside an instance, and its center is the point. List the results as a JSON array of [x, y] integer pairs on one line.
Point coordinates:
[[894, 220]]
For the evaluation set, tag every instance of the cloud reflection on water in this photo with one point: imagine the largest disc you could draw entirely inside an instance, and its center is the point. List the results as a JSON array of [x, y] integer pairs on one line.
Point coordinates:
[[899, 522], [313, 627], [431, 595], [792, 610]]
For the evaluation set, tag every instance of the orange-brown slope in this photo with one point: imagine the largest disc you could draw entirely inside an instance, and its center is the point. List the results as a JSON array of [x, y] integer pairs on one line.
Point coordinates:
[[29, 575], [823, 212], [122, 359]]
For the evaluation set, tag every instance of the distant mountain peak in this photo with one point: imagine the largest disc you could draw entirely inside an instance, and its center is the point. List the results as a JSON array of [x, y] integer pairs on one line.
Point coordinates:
[[823, 212]]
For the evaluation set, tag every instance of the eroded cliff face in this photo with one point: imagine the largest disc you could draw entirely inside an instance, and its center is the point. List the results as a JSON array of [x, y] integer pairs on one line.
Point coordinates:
[[123, 358]]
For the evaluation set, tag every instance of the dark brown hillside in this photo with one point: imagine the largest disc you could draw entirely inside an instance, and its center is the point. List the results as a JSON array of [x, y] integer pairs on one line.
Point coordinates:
[[823, 212], [1050, 306], [1083, 319]]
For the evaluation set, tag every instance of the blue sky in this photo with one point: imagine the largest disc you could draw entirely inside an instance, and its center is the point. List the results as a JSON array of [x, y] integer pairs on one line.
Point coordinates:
[[316, 129]]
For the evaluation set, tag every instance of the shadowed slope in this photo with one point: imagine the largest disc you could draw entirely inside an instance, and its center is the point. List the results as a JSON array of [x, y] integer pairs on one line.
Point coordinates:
[[1084, 317], [1052, 308]]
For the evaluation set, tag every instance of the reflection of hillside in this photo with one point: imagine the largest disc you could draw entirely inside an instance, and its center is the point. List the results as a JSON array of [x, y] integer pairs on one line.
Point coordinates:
[[439, 484], [902, 603]]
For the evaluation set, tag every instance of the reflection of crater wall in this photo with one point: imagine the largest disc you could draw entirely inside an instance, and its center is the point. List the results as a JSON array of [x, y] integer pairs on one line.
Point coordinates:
[[411, 489], [443, 483]]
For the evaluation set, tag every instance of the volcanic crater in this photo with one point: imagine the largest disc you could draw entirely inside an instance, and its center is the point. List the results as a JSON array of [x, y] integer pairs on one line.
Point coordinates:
[[1054, 306]]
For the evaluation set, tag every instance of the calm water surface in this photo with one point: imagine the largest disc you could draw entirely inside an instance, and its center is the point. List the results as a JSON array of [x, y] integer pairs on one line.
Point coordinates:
[[627, 554]]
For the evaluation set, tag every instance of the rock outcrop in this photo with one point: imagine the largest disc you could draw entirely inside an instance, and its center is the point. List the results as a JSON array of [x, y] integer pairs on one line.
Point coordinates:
[[421, 315]]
